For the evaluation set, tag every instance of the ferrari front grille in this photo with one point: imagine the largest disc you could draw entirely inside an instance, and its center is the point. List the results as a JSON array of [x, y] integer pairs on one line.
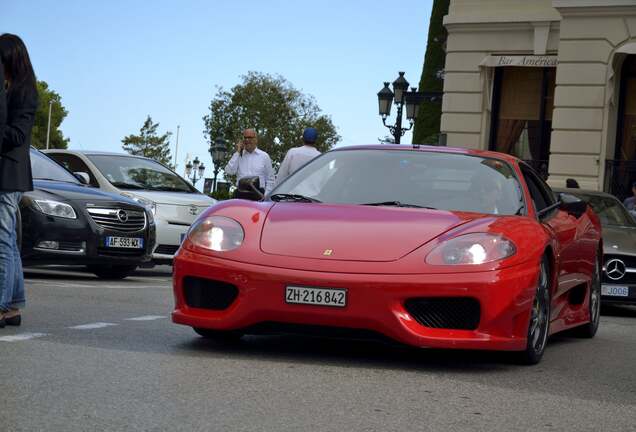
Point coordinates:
[[457, 313], [208, 294]]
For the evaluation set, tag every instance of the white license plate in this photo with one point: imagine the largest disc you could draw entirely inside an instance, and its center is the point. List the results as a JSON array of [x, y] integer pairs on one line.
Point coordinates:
[[316, 296], [615, 291], [125, 242]]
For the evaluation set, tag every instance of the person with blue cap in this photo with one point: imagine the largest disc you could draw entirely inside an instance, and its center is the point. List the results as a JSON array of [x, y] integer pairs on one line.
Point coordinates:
[[299, 156]]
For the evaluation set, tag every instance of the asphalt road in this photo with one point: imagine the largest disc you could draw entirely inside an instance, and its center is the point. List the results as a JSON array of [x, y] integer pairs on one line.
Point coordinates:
[[104, 356]]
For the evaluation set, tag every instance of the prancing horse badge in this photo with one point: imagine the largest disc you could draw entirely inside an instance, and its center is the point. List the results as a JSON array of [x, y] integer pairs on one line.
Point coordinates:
[[327, 252]]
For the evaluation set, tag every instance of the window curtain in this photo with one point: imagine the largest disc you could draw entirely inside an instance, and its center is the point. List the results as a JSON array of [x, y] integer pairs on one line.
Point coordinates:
[[520, 109]]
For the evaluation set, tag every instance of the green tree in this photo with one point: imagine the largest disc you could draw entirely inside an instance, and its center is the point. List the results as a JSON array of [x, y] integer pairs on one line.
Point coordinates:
[[272, 106], [40, 126], [427, 125], [148, 143]]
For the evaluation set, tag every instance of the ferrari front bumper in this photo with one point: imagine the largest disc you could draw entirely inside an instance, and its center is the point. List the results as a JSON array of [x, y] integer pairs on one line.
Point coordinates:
[[375, 302]]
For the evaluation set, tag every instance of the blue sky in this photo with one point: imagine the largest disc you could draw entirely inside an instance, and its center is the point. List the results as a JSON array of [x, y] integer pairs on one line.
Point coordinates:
[[114, 62]]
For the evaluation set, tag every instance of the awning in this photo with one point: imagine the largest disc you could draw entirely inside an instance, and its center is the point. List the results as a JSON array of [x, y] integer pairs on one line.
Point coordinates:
[[524, 61]]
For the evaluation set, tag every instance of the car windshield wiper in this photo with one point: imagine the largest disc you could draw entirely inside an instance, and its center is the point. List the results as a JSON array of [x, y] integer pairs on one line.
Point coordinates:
[[168, 189], [292, 197], [398, 204], [127, 185]]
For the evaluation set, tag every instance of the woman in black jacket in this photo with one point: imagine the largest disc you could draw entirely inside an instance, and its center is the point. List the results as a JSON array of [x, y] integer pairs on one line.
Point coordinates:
[[21, 100]]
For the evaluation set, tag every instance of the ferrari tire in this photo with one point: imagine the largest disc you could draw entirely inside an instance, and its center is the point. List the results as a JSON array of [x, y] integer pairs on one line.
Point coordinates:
[[116, 272], [539, 323], [222, 336], [589, 329]]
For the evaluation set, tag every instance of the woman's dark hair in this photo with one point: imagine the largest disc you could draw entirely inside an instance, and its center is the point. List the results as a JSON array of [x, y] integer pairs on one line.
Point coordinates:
[[15, 59]]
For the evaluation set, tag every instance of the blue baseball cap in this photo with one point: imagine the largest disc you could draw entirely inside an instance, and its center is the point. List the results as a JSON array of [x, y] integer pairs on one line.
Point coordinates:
[[310, 135]]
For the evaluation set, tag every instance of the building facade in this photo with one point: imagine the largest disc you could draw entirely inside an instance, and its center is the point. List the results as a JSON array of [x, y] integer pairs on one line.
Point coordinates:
[[550, 81]]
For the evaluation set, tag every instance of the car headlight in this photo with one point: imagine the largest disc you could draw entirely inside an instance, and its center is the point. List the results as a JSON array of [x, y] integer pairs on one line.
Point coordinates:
[[55, 208], [151, 216], [476, 248], [217, 233], [150, 205]]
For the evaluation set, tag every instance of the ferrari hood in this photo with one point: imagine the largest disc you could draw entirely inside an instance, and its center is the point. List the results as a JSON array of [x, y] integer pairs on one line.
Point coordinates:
[[619, 240], [352, 232]]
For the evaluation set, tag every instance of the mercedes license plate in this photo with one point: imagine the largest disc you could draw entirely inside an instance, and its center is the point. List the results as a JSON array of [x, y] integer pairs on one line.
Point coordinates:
[[125, 242], [615, 291], [335, 297]]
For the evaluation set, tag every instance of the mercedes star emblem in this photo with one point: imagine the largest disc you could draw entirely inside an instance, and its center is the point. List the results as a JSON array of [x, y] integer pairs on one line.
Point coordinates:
[[615, 269], [122, 216]]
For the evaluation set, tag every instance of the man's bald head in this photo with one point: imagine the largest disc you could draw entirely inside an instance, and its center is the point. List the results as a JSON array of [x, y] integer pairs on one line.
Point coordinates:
[[250, 140]]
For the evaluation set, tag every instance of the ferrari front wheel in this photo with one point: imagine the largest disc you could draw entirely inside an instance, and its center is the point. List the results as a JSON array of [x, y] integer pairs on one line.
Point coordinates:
[[539, 324]]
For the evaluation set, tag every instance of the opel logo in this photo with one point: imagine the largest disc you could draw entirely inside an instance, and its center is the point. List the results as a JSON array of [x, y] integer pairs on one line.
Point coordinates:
[[615, 269], [193, 210], [122, 216]]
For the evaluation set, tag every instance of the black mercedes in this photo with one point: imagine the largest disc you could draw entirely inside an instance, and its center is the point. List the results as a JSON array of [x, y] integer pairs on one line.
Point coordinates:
[[64, 221]]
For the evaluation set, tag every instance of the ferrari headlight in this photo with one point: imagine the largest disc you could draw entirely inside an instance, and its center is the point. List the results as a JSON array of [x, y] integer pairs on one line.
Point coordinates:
[[468, 249], [55, 208], [217, 233]]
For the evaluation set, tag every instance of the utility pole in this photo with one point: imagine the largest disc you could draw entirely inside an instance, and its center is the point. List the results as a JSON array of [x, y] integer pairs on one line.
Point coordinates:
[[48, 129], [176, 149]]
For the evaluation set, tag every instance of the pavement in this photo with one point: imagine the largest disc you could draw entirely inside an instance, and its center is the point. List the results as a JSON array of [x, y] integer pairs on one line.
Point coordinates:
[[94, 355]]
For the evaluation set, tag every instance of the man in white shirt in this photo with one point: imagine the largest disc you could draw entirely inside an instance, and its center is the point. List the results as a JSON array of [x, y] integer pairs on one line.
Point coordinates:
[[299, 156], [249, 161]]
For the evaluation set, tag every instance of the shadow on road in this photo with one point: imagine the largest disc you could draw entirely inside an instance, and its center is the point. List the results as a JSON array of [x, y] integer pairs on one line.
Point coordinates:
[[291, 349], [619, 311], [82, 273]]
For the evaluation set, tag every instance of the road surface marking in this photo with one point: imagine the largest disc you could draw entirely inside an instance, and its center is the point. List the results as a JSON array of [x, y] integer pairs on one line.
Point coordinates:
[[92, 326], [21, 337], [146, 318]]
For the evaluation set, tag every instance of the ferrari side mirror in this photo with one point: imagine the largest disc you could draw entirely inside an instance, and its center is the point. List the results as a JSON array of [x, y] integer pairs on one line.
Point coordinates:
[[249, 188], [572, 204]]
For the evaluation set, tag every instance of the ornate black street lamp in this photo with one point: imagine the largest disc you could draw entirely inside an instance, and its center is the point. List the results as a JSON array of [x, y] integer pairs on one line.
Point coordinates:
[[193, 168], [218, 149], [402, 97]]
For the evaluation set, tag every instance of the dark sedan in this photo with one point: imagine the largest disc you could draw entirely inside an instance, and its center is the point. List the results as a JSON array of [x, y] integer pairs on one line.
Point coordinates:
[[66, 222], [619, 245]]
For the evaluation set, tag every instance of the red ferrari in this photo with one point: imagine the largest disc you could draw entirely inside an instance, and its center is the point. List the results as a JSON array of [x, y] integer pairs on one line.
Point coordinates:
[[429, 246]]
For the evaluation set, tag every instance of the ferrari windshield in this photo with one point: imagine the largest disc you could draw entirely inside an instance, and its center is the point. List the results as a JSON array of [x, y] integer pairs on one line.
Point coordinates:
[[609, 210], [445, 181], [130, 172]]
